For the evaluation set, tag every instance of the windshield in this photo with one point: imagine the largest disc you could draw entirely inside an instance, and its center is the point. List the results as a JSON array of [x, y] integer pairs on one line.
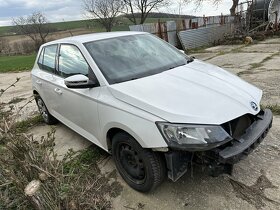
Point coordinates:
[[131, 57]]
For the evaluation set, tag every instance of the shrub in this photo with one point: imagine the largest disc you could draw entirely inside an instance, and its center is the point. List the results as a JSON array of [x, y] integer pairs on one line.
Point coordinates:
[[33, 177]]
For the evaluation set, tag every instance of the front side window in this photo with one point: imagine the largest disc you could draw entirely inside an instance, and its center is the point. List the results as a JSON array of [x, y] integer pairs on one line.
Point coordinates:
[[47, 58], [71, 61]]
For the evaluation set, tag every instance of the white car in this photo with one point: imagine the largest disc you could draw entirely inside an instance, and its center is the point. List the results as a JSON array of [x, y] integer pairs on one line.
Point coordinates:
[[152, 107]]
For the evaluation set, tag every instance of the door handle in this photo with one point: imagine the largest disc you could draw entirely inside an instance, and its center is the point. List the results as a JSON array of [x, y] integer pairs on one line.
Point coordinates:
[[39, 82], [58, 91]]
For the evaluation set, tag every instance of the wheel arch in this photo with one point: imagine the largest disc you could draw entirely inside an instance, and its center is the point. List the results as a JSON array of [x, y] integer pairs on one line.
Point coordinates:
[[35, 93], [113, 130]]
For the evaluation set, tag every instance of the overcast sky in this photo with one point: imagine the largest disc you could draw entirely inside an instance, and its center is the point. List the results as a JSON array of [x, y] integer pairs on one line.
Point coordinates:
[[65, 10]]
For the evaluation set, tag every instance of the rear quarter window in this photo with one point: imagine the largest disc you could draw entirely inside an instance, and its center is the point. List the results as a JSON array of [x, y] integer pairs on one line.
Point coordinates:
[[47, 59]]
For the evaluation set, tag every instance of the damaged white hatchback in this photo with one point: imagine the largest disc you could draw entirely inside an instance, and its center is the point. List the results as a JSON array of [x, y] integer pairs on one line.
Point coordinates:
[[152, 107]]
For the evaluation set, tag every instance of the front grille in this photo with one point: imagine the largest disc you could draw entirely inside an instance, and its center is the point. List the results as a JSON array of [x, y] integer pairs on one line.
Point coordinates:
[[237, 127]]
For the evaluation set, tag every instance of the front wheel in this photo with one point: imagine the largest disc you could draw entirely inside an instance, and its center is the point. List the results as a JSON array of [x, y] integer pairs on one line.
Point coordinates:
[[142, 169], [47, 117]]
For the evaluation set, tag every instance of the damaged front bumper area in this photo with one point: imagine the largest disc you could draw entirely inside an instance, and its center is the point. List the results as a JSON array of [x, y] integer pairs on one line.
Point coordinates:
[[221, 159]]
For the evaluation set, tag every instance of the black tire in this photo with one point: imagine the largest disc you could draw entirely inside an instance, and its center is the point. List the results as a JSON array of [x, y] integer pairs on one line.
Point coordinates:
[[47, 117], [142, 169]]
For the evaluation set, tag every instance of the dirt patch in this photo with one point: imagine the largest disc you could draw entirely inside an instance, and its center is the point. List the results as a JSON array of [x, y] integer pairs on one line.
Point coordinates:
[[254, 194], [239, 60]]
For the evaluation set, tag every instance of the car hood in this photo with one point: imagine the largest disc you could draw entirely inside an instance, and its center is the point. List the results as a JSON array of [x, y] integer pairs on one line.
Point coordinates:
[[198, 93]]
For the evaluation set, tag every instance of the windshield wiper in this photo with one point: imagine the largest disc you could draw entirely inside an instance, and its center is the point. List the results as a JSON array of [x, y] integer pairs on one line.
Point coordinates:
[[191, 59], [134, 78], [173, 67]]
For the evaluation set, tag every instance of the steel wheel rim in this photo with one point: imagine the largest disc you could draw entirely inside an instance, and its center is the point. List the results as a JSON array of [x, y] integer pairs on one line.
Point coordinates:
[[42, 109], [132, 164]]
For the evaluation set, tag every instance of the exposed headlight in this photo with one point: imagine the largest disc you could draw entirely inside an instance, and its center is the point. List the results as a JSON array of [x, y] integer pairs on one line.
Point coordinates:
[[193, 136]]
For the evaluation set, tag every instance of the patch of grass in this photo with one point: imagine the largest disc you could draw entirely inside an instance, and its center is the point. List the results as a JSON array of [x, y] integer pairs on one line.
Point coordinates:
[[24, 126], [5, 30], [243, 72], [16, 63], [238, 50], [83, 158], [4, 113], [270, 57], [200, 49], [260, 64], [256, 65], [228, 65], [221, 53], [16, 100], [274, 108], [83, 172]]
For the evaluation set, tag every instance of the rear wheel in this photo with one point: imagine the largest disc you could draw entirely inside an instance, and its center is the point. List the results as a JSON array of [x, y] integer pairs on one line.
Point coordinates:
[[142, 169], [47, 117]]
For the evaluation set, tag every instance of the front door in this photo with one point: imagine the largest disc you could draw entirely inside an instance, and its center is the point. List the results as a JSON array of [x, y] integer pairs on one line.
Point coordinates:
[[77, 108]]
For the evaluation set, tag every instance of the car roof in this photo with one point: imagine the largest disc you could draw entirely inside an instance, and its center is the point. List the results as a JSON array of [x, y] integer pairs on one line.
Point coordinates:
[[93, 37]]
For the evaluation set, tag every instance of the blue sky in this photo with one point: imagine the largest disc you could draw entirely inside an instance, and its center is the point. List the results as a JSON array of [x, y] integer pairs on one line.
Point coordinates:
[[64, 10]]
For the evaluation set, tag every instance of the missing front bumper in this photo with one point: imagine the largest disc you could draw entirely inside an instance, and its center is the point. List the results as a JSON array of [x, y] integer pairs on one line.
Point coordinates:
[[221, 159], [253, 136]]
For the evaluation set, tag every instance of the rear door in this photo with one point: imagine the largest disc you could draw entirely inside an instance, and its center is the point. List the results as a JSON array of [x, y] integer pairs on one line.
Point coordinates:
[[76, 108], [44, 76]]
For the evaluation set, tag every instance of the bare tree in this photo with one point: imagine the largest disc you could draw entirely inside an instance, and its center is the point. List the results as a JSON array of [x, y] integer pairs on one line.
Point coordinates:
[[105, 10], [216, 2], [34, 26], [144, 7], [234, 6]]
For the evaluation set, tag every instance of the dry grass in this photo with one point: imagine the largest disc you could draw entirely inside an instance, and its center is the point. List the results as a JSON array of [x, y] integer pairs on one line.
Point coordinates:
[[75, 182]]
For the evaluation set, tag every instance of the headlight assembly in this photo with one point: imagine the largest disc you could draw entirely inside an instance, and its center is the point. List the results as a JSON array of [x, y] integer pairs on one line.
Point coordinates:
[[193, 137]]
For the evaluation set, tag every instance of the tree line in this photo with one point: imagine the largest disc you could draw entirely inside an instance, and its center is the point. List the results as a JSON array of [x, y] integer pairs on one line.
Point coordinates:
[[106, 12]]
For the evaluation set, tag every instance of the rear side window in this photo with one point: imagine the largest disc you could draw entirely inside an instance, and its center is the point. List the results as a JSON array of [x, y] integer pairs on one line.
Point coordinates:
[[71, 61], [47, 58]]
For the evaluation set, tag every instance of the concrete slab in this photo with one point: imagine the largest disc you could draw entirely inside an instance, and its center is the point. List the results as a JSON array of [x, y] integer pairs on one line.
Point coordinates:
[[223, 48], [269, 82], [260, 48], [65, 138], [239, 60]]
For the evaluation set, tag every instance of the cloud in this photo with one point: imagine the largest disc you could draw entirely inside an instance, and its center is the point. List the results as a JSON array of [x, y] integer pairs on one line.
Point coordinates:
[[3, 3], [34, 4], [54, 10], [5, 22]]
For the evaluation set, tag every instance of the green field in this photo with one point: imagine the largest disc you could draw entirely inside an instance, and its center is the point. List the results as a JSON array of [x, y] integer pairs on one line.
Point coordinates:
[[92, 24], [79, 24], [16, 63], [5, 30]]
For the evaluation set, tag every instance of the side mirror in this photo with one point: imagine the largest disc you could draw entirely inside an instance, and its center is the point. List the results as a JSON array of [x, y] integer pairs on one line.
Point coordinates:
[[80, 81]]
